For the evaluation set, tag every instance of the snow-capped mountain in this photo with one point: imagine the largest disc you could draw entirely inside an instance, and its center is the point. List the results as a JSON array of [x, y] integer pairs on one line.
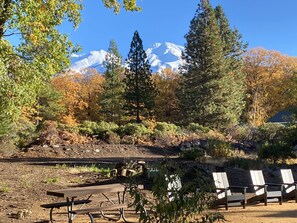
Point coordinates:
[[94, 59], [160, 56], [164, 55]]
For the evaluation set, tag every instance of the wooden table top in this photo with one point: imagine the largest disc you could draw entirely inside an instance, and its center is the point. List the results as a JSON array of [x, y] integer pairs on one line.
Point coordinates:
[[82, 191]]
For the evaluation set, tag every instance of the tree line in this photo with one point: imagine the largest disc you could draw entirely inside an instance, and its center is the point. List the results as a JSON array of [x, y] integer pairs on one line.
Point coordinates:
[[219, 84]]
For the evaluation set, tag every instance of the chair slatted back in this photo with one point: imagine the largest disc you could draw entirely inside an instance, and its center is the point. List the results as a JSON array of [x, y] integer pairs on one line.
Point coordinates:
[[173, 185], [221, 181], [257, 179], [288, 178]]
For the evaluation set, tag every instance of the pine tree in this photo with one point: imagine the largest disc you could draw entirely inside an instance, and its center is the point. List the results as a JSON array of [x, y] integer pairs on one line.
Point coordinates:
[[207, 89], [233, 48], [112, 100], [140, 89]]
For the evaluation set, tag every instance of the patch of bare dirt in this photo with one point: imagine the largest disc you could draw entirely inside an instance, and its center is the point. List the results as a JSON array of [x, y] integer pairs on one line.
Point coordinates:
[[28, 174], [101, 150]]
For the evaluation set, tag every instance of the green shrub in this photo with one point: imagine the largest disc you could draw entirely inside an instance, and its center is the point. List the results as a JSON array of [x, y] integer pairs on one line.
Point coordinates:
[[276, 151], [68, 128], [7, 146], [165, 131], [192, 154], [167, 128], [88, 128], [185, 204], [241, 133], [25, 132], [106, 127], [51, 180], [197, 128], [219, 149], [270, 131], [133, 129], [149, 124], [290, 135]]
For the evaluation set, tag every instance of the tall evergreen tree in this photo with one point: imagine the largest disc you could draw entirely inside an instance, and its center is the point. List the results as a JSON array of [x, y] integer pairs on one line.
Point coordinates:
[[112, 100], [140, 89], [208, 95], [233, 48]]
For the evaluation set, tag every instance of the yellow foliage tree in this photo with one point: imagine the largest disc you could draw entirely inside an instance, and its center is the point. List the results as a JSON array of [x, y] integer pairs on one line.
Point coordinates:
[[166, 102], [268, 78], [90, 92], [68, 84]]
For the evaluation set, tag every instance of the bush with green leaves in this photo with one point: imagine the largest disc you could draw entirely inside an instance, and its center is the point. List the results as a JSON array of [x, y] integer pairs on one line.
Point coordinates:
[[197, 128], [219, 149], [7, 145], [166, 134], [179, 205], [275, 151], [269, 131], [26, 134], [133, 129], [68, 128], [88, 127], [241, 133], [167, 128], [290, 134], [106, 127], [192, 154], [102, 128]]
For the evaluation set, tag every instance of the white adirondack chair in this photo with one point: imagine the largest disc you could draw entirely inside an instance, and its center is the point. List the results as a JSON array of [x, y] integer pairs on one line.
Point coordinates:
[[174, 185], [224, 194], [261, 189], [290, 185]]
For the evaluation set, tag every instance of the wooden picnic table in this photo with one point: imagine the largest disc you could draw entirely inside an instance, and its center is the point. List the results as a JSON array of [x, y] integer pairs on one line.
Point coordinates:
[[71, 194]]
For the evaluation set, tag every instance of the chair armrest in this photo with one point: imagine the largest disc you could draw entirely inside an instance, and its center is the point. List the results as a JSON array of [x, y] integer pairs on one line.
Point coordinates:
[[222, 188], [281, 186], [290, 184], [238, 187], [273, 184], [260, 186]]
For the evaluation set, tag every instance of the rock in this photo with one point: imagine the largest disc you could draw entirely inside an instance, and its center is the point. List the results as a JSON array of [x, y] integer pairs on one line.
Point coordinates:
[[243, 147], [21, 214], [199, 144]]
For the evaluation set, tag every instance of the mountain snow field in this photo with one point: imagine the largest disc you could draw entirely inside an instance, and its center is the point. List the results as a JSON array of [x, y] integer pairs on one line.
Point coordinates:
[[160, 56]]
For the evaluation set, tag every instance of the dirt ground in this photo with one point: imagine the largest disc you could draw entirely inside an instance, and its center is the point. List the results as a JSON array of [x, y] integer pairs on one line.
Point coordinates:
[[27, 175]]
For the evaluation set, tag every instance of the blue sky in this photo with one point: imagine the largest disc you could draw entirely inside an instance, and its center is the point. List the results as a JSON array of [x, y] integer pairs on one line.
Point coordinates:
[[271, 24]]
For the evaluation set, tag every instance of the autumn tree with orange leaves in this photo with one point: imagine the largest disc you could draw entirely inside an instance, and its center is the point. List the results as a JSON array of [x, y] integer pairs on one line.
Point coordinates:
[[68, 85], [90, 93], [166, 101], [268, 79], [80, 95]]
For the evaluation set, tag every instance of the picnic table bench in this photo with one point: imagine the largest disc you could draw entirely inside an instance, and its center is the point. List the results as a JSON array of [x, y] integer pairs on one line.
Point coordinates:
[[58, 205]]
